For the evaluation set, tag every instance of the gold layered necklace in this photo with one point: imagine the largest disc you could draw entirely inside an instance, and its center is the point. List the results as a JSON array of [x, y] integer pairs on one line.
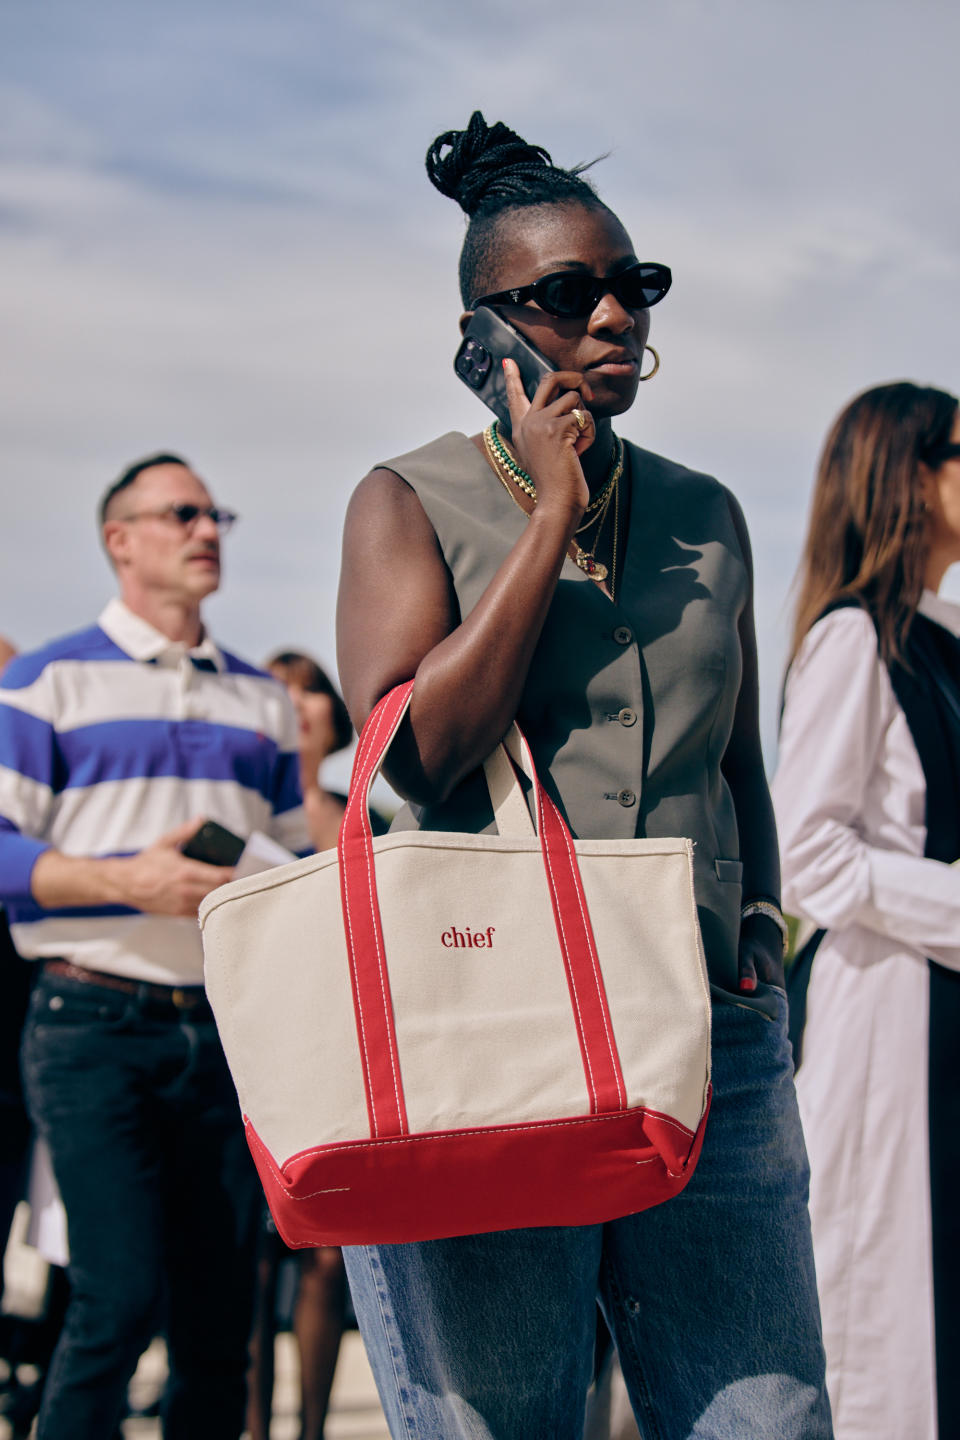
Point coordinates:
[[513, 477]]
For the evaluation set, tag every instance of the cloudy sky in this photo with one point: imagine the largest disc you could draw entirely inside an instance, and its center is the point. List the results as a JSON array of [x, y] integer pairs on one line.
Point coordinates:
[[216, 236]]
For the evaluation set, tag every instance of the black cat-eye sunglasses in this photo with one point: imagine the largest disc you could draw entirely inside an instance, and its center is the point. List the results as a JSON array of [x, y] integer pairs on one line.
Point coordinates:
[[571, 295]]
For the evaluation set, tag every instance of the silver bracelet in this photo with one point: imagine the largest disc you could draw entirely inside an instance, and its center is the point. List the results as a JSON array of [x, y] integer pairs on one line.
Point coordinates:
[[772, 912]]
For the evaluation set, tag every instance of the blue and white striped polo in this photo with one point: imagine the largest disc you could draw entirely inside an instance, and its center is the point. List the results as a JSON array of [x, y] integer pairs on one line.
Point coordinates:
[[109, 738]]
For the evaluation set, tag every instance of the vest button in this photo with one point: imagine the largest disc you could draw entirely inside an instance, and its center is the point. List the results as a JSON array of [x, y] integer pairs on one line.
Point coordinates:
[[623, 635], [627, 716], [626, 798]]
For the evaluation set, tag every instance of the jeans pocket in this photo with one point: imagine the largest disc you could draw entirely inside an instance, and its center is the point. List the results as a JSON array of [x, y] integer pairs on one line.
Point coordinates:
[[58, 1007], [767, 1001]]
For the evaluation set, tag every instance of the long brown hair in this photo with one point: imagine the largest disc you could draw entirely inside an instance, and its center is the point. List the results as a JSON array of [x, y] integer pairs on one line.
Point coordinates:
[[296, 668], [867, 538]]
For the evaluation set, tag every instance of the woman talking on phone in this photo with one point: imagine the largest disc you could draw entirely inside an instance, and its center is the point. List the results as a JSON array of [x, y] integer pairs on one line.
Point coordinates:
[[547, 571]]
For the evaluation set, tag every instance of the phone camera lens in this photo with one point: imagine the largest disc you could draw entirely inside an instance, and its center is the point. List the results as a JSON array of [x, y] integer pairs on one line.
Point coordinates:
[[473, 364]]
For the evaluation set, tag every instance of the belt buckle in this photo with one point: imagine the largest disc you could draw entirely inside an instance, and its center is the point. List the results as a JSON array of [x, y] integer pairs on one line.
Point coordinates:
[[181, 1000]]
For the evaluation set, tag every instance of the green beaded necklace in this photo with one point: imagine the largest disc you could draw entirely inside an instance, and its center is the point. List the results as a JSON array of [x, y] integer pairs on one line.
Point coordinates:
[[524, 482]]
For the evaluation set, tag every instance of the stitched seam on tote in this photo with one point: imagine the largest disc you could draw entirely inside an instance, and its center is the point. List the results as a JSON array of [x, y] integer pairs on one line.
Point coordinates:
[[278, 1176], [359, 1004], [368, 853], [358, 1145], [439, 1135], [651, 1160], [381, 959], [443, 841], [345, 1189], [595, 962], [356, 986], [361, 1145], [684, 1129], [567, 961], [704, 979], [566, 956], [346, 887]]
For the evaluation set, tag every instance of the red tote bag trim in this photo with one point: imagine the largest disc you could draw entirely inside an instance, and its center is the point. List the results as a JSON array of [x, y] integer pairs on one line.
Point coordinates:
[[601, 1062], [363, 931], [579, 1171], [673, 1140]]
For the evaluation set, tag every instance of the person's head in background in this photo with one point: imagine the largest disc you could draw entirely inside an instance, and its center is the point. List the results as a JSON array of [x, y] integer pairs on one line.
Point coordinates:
[[324, 725], [161, 531], [885, 514]]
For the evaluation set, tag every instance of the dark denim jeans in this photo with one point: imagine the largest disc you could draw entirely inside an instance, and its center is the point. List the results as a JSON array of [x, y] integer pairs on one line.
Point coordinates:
[[711, 1297], [136, 1104]]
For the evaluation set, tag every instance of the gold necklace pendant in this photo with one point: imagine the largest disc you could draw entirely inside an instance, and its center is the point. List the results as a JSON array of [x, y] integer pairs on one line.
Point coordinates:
[[586, 560], [590, 566]]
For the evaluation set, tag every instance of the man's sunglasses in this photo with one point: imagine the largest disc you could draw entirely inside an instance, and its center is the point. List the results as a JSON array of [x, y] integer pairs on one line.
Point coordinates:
[[571, 295], [187, 515], [945, 453]]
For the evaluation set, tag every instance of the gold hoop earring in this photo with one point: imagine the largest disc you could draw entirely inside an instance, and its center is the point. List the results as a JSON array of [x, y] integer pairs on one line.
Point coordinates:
[[656, 363]]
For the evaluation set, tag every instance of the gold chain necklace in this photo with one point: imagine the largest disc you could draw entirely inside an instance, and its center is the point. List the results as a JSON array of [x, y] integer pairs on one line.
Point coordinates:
[[509, 473], [497, 445]]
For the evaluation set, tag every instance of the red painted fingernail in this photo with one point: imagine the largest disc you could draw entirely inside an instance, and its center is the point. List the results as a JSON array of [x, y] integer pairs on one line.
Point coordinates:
[[747, 982], [504, 364]]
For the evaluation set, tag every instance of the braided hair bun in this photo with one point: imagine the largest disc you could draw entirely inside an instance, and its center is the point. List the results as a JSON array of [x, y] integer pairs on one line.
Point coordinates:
[[485, 163], [488, 170]]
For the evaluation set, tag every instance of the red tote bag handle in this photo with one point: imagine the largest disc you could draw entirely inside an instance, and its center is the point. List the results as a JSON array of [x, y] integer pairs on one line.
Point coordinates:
[[367, 951]]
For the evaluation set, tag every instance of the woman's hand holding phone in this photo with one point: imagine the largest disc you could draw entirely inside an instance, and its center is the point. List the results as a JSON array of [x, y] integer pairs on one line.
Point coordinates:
[[546, 437]]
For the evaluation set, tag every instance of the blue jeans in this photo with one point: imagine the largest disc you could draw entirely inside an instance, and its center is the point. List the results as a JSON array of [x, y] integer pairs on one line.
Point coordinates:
[[711, 1297], [136, 1104]]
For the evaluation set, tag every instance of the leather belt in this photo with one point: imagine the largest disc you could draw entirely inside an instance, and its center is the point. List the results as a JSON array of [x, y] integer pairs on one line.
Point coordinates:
[[181, 997]]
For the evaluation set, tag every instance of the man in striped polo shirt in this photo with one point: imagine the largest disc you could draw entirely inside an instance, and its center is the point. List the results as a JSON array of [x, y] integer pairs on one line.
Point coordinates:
[[115, 743]]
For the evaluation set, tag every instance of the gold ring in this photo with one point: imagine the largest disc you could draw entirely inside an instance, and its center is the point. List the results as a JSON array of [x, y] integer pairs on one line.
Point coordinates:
[[580, 418]]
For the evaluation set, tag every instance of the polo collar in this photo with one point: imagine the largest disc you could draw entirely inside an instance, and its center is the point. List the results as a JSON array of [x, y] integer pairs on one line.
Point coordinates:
[[142, 641]]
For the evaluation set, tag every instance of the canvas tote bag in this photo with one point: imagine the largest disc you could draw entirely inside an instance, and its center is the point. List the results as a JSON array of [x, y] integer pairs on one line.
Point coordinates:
[[437, 1034]]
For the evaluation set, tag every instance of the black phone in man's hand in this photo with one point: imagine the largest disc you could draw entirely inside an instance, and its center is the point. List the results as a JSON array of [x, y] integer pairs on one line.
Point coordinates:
[[214, 844], [487, 341]]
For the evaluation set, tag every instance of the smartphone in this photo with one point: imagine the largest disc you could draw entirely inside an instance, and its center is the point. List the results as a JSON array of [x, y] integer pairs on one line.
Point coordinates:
[[487, 341], [214, 844]]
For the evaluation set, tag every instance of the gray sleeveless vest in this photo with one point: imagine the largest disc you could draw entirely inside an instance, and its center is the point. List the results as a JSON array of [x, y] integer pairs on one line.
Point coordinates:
[[628, 707]]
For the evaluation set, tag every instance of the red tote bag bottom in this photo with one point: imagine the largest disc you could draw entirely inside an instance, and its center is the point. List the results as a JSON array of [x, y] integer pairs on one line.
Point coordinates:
[[428, 1186]]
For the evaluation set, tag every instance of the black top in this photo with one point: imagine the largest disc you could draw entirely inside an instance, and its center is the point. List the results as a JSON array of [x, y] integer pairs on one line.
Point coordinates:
[[927, 686]]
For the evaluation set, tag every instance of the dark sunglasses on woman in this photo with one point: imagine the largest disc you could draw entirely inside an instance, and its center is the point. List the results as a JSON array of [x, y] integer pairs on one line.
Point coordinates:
[[570, 295]]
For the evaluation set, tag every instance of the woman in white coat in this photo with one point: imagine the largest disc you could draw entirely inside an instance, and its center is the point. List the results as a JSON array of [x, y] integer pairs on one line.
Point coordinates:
[[867, 796]]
